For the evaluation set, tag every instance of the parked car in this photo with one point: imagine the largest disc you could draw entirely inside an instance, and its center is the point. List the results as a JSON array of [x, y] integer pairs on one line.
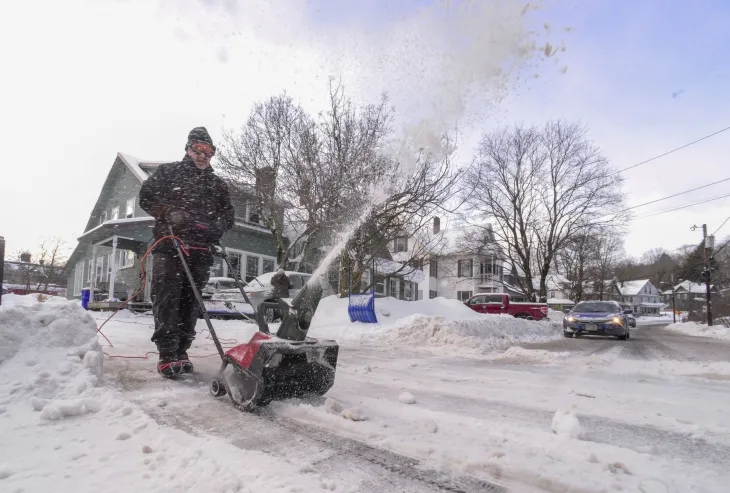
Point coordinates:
[[258, 290], [497, 303], [597, 318], [632, 320], [217, 284]]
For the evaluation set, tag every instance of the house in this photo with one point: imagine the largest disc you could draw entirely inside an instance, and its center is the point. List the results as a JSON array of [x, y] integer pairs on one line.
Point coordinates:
[[118, 233], [688, 295], [458, 268], [641, 295]]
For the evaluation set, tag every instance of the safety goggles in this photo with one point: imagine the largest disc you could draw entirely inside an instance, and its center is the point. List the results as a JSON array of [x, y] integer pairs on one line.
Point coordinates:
[[203, 148]]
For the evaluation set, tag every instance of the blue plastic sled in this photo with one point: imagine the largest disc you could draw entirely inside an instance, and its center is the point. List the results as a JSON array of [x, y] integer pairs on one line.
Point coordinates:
[[362, 308]]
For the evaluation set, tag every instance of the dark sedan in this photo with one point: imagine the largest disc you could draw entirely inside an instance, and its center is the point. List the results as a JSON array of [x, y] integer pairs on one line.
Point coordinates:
[[603, 318]]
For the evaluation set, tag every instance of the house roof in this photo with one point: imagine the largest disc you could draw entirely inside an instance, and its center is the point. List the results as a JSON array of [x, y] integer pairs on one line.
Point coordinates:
[[690, 287], [631, 288], [142, 169]]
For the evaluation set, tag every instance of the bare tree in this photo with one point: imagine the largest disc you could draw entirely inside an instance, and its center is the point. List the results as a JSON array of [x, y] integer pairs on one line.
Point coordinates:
[[574, 262], [52, 260], [412, 200], [608, 252], [307, 173], [542, 187]]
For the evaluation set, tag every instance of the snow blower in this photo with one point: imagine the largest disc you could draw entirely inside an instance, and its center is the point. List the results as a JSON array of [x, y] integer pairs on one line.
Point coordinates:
[[269, 367]]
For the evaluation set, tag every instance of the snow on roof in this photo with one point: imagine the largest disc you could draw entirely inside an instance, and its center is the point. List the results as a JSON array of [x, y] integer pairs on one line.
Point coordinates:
[[691, 287], [385, 266], [631, 288], [124, 220], [139, 167]]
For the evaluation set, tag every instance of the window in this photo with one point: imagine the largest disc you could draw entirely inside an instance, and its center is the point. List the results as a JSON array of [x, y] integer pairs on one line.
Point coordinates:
[[269, 265], [552, 294], [465, 268], [393, 288], [495, 299], [401, 244], [235, 260], [252, 215], [102, 218], [125, 259], [478, 300], [407, 290], [433, 268], [463, 295], [252, 267], [433, 294], [130, 208], [115, 213]]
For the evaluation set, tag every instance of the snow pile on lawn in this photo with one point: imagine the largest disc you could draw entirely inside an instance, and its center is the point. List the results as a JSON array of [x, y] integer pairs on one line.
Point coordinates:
[[86, 437], [701, 330], [50, 356], [436, 322]]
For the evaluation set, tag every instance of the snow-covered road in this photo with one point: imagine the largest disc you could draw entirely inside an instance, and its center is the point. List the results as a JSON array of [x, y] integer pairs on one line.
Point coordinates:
[[656, 405]]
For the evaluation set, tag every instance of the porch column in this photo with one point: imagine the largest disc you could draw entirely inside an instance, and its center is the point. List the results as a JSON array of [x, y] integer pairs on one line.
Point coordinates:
[[113, 276], [92, 286]]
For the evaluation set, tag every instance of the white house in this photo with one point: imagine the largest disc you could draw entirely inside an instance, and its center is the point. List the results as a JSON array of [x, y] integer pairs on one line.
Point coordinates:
[[641, 295]]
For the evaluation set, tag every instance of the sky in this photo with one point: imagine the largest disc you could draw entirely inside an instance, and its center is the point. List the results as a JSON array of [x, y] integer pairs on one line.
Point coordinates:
[[88, 79]]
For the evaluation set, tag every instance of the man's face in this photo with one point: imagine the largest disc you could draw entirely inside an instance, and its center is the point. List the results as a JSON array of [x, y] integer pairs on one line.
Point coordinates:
[[201, 153]]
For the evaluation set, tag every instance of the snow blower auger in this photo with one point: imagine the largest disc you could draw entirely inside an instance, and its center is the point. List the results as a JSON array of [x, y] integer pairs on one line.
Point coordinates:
[[267, 367]]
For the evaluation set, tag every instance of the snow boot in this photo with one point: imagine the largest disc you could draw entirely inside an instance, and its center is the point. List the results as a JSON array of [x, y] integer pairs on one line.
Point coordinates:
[[169, 366], [182, 356]]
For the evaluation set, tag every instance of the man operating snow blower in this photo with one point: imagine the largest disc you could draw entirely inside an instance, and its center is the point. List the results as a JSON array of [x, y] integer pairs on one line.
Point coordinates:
[[187, 197]]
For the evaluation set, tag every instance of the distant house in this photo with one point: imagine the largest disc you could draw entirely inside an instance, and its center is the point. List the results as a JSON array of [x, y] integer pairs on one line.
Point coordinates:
[[458, 271], [688, 295], [118, 233], [642, 296]]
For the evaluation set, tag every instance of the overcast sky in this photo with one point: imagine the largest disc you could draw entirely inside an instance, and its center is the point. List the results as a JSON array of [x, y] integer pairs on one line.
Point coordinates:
[[83, 80]]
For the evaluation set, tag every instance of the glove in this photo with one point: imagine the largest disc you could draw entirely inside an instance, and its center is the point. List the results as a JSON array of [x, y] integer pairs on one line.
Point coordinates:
[[210, 232], [179, 220]]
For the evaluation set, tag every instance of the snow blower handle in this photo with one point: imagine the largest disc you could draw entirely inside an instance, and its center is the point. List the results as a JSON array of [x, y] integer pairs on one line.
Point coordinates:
[[199, 299], [258, 314]]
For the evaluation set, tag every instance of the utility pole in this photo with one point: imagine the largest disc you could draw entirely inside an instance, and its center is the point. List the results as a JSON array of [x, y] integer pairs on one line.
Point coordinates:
[[674, 309], [708, 246], [708, 243]]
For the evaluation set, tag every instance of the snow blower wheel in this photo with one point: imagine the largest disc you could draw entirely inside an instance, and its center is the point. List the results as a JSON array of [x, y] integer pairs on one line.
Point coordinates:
[[217, 389]]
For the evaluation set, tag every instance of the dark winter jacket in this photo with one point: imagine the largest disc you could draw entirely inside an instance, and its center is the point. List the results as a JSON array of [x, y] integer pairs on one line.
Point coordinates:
[[199, 195]]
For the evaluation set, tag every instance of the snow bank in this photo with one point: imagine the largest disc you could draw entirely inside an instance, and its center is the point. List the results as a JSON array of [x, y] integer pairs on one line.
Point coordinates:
[[438, 322], [701, 330], [49, 356]]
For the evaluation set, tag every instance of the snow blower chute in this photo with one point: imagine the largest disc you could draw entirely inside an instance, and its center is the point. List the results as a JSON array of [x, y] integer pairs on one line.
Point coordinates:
[[268, 367]]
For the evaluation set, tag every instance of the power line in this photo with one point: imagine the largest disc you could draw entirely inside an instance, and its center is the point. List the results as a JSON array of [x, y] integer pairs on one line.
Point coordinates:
[[684, 206], [675, 195], [723, 224], [670, 152]]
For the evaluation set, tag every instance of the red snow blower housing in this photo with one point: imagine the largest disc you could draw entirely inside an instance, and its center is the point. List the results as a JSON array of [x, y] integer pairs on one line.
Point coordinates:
[[268, 367]]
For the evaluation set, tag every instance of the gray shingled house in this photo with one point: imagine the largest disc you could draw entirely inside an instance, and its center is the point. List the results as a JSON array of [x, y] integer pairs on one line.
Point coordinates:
[[118, 232]]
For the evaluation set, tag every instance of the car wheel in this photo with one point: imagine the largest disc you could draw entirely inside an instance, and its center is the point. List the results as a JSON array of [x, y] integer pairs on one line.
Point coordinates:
[[567, 334], [623, 337], [628, 334], [269, 315]]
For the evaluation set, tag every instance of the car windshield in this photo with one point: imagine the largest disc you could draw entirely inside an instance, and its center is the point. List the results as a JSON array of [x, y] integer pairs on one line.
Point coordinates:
[[595, 307]]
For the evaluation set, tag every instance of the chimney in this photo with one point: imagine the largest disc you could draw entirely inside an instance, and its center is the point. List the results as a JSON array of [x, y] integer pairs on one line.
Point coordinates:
[[436, 225], [266, 181]]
